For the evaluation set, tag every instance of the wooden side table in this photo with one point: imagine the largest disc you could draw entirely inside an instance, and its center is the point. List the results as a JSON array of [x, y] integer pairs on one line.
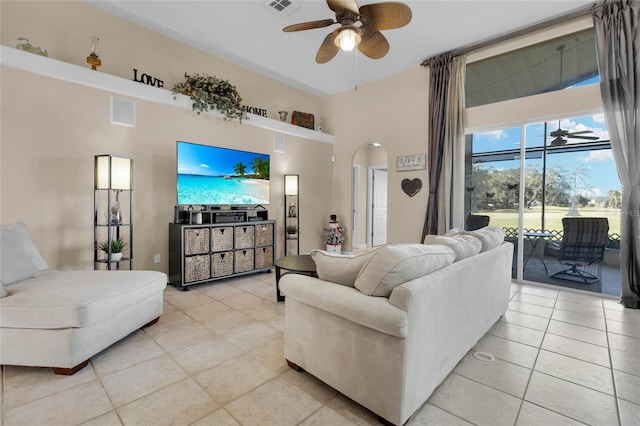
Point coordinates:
[[301, 264]]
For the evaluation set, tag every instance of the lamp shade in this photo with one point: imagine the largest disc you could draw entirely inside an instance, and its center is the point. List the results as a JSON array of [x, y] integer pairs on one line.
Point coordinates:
[[113, 172], [291, 184]]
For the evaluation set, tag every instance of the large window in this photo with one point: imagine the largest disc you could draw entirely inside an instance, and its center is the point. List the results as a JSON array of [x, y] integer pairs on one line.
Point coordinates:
[[544, 67]]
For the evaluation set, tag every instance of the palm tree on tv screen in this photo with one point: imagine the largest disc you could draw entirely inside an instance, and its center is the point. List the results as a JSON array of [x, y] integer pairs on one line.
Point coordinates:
[[240, 169], [260, 167]]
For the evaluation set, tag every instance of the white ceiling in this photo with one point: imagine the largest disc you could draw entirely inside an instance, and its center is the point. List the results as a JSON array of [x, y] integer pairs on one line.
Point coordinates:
[[249, 33]]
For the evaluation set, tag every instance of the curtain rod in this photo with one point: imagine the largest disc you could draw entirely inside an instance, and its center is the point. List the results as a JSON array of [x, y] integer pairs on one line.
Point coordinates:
[[582, 11]]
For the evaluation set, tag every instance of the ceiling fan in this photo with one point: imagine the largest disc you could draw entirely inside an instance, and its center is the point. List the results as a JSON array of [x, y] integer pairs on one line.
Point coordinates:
[[373, 18], [560, 136]]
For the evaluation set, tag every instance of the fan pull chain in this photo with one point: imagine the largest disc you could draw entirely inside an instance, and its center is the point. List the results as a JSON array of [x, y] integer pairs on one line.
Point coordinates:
[[355, 86]]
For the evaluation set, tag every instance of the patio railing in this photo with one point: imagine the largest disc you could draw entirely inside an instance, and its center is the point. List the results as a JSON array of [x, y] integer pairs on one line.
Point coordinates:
[[512, 234]]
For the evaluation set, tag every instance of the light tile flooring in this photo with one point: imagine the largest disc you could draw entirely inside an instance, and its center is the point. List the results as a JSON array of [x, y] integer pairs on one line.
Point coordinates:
[[215, 358]]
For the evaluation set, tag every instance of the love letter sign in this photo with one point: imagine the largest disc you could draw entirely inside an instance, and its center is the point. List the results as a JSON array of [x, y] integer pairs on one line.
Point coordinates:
[[411, 186]]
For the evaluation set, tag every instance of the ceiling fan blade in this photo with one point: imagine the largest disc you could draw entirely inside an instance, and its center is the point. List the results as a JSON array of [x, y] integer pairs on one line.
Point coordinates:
[[328, 49], [344, 6], [385, 16], [590, 138], [309, 25], [580, 132], [373, 44]]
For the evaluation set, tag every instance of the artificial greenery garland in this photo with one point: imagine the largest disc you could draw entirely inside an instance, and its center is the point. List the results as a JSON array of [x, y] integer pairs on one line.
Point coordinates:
[[209, 93]]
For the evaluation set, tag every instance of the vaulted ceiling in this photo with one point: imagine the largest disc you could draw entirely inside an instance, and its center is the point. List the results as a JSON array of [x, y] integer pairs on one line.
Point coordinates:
[[250, 34]]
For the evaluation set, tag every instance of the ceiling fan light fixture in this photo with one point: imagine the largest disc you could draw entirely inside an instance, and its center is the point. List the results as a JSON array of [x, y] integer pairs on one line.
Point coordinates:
[[347, 38]]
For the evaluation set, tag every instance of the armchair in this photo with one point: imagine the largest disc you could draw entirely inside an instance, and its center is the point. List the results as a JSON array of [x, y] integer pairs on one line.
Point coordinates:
[[476, 221], [583, 243]]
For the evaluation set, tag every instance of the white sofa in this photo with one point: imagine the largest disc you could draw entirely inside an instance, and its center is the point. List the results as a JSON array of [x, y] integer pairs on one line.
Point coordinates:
[[60, 319], [390, 353]]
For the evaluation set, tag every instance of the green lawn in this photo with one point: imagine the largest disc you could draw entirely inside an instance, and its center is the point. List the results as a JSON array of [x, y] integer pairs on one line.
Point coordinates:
[[553, 217]]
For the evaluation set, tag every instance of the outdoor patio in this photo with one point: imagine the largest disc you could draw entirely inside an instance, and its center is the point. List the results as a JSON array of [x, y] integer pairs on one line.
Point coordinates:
[[534, 270]]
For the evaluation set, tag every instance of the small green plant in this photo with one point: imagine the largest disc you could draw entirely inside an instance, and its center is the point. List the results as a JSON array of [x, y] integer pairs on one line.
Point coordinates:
[[117, 245], [209, 93], [614, 243], [292, 229]]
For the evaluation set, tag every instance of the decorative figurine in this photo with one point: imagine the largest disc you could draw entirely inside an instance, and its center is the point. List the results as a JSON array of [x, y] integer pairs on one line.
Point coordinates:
[[27, 47], [333, 237], [292, 210]]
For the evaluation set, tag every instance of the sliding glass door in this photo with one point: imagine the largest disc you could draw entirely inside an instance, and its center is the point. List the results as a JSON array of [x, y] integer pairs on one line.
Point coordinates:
[[528, 178]]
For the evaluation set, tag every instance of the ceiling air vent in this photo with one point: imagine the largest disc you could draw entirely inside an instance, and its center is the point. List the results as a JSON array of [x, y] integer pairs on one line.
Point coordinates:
[[283, 7]]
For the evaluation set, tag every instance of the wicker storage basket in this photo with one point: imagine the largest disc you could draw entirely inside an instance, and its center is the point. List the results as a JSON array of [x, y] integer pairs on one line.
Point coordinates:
[[264, 257], [244, 236], [222, 238], [222, 263], [264, 235], [243, 260], [196, 268], [196, 240]]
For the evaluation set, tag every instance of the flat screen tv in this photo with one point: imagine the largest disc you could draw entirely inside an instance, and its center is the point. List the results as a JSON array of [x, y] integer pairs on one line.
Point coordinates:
[[209, 175]]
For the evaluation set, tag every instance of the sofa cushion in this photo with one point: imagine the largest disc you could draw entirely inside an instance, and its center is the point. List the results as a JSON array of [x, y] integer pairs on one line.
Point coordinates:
[[490, 237], [63, 299], [337, 268], [394, 264], [462, 245], [16, 259], [454, 231], [18, 234]]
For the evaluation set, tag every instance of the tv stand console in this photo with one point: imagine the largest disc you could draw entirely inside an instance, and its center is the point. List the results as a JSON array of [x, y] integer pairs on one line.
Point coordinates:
[[205, 252]]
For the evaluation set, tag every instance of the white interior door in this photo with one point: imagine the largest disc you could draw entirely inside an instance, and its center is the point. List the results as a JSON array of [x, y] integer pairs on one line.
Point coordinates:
[[379, 206], [356, 206]]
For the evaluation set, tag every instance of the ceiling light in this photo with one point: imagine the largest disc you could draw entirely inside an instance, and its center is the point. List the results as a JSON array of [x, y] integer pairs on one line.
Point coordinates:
[[348, 37]]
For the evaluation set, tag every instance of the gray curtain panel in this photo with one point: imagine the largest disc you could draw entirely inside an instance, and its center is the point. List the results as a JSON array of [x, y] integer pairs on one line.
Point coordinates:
[[618, 50], [446, 139], [438, 83]]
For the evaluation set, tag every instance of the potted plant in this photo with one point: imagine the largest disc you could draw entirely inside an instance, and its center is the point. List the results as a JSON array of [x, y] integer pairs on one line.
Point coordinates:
[[117, 245], [292, 230], [209, 93], [612, 252], [333, 237]]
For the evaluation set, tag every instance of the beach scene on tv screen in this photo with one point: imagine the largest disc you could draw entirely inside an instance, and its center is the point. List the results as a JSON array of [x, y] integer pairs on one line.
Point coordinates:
[[213, 175]]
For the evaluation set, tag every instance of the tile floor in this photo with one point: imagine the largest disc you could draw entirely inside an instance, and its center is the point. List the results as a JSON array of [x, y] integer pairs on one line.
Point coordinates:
[[215, 358]]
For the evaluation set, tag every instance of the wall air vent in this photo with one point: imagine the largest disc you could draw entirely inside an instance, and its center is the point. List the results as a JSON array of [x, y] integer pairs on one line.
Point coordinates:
[[282, 7]]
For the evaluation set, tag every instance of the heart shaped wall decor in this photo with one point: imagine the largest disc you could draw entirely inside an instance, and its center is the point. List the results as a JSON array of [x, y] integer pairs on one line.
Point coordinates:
[[411, 186]]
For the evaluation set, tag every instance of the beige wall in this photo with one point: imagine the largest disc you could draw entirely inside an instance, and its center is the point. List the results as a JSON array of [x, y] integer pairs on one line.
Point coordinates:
[[392, 112], [64, 29], [52, 129], [72, 126]]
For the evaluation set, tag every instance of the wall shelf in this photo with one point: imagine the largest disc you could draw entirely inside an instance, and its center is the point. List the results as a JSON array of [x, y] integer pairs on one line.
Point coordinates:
[[54, 68]]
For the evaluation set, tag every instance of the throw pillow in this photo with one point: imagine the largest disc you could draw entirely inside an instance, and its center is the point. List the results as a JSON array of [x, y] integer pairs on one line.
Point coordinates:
[[462, 245], [490, 237], [395, 264], [16, 260], [454, 231], [18, 234], [337, 268]]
